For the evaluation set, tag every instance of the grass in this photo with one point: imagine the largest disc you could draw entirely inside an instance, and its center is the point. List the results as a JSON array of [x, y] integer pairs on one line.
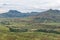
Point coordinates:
[[29, 36], [5, 34], [57, 24]]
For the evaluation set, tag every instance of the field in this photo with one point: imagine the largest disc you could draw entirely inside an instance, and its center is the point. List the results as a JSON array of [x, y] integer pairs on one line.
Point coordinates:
[[29, 36], [25, 29]]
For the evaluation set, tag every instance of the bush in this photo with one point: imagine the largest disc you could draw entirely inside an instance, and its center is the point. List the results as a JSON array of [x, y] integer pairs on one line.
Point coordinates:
[[17, 30]]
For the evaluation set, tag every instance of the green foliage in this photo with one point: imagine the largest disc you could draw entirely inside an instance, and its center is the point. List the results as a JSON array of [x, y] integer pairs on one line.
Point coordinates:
[[29, 36], [22, 29], [18, 30]]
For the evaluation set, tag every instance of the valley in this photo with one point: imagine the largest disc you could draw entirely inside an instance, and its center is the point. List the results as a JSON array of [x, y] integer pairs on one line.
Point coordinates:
[[30, 26]]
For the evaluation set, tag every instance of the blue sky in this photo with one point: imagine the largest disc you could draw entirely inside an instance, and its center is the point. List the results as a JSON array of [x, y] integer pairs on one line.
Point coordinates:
[[28, 5]]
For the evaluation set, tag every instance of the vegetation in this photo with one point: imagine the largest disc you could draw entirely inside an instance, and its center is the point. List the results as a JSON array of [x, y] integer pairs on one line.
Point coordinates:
[[15, 25], [29, 36], [25, 29]]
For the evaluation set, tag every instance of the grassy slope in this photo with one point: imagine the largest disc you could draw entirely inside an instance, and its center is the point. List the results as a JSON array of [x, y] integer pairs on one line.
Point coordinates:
[[26, 35], [29, 36]]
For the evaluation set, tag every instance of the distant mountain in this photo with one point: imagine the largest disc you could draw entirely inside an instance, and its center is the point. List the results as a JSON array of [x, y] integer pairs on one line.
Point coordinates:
[[48, 16], [15, 13]]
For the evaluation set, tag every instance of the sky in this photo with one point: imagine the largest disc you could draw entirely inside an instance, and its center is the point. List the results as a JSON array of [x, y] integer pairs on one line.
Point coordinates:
[[28, 5]]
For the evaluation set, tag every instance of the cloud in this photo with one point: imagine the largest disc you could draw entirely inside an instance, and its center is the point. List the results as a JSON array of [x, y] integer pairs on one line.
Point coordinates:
[[29, 5]]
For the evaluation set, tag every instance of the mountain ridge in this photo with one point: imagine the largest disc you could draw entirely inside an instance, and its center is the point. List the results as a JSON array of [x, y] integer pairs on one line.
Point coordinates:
[[15, 13], [48, 16]]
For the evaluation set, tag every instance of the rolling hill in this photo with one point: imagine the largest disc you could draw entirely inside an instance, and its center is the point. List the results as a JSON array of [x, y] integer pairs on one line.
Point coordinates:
[[45, 16], [15, 13], [48, 16]]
